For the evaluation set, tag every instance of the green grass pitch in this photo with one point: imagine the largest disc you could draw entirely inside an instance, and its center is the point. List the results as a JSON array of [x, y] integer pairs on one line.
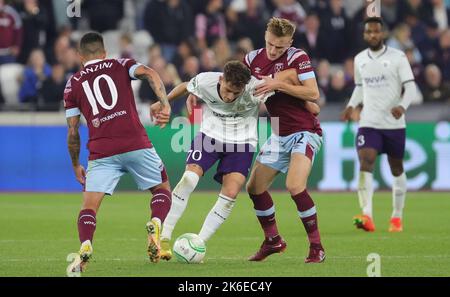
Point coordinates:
[[38, 231]]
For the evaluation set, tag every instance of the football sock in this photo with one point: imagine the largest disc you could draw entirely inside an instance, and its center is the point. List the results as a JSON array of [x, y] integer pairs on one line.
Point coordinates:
[[86, 225], [307, 212], [365, 192], [160, 204], [180, 197], [265, 212], [398, 195], [218, 214]]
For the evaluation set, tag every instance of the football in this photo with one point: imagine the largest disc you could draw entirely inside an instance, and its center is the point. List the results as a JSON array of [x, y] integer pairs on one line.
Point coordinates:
[[189, 248]]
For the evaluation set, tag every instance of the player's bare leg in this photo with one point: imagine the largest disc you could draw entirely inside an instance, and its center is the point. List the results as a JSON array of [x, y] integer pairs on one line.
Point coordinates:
[[296, 181], [261, 177], [86, 227], [367, 158], [160, 206], [180, 198], [398, 194], [232, 184]]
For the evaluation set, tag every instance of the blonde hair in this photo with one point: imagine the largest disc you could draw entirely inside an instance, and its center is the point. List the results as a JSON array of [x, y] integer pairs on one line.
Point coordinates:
[[281, 27]]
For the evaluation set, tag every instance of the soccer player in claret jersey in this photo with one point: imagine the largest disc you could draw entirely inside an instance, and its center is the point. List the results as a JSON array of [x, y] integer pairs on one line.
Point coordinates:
[[228, 135], [381, 73], [292, 149], [118, 142]]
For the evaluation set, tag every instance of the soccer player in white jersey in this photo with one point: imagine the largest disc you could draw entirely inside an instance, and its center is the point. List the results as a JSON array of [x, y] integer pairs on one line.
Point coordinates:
[[381, 73], [228, 134]]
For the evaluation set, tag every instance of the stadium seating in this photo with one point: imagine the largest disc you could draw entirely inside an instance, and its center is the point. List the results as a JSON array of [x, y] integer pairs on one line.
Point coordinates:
[[141, 42]]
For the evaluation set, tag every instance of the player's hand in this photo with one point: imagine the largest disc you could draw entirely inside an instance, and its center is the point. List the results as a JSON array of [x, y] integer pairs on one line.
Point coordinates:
[[154, 110], [346, 115], [163, 116], [80, 174], [397, 112], [191, 102], [268, 85]]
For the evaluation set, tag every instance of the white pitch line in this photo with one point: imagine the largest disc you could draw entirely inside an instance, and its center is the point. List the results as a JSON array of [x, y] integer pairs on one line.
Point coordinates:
[[232, 258]]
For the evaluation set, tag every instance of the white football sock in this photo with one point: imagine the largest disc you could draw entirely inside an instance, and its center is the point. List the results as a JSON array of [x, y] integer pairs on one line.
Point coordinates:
[[180, 197], [398, 195], [218, 214], [365, 192]]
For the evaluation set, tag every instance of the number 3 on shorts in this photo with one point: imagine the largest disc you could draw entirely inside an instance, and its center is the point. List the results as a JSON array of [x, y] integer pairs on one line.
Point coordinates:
[[361, 140], [196, 155]]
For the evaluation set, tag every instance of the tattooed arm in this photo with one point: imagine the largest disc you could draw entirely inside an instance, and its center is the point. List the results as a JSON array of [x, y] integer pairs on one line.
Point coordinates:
[[73, 144], [146, 73]]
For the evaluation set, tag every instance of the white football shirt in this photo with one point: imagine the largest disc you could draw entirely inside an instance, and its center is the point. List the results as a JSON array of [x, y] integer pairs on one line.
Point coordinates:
[[235, 122], [381, 76]]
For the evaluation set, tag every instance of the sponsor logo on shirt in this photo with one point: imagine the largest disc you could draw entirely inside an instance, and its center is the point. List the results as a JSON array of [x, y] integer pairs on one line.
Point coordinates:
[[279, 67], [96, 123], [304, 65], [113, 115], [376, 81]]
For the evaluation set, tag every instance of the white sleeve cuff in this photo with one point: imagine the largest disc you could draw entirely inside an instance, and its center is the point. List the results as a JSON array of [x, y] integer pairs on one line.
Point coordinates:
[[72, 112], [132, 70]]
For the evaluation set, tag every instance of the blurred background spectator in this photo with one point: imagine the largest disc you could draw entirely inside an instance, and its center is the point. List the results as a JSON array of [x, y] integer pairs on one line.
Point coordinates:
[[10, 32], [34, 75]]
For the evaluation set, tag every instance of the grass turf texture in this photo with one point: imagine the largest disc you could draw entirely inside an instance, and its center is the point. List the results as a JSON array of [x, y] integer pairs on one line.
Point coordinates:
[[38, 231]]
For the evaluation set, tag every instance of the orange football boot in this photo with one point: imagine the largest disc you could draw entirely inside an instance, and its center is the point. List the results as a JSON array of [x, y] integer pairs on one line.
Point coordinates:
[[364, 222], [396, 225]]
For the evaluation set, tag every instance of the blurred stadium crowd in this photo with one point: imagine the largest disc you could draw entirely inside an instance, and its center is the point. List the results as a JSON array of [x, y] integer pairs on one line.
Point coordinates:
[[180, 38]]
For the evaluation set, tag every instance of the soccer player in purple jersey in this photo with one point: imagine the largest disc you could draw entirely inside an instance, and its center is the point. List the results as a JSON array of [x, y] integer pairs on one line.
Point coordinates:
[[118, 143], [292, 148]]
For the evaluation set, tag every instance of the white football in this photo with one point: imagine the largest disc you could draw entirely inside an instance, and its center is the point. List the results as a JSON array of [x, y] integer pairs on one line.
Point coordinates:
[[189, 248]]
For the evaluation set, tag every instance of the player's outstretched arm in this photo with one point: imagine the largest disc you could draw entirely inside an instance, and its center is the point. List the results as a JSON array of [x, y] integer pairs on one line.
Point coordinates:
[[290, 76], [287, 82], [178, 91], [312, 107], [146, 73], [73, 144]]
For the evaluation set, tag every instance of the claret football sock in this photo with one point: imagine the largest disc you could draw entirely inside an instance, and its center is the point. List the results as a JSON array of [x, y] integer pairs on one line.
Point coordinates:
[[218, 214], [180, 197], [308, 215], [265, 212], [86, 225], [160, 204]]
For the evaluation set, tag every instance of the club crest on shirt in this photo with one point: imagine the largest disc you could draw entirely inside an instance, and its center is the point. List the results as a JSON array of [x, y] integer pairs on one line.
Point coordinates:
[[278, 67], [257, 70], [386, 63], [96, 123]]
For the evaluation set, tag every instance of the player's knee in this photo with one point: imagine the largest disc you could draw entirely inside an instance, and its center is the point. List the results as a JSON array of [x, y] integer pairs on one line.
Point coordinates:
[[161, 186], [231, 193], [366, 164], [295, 188]]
